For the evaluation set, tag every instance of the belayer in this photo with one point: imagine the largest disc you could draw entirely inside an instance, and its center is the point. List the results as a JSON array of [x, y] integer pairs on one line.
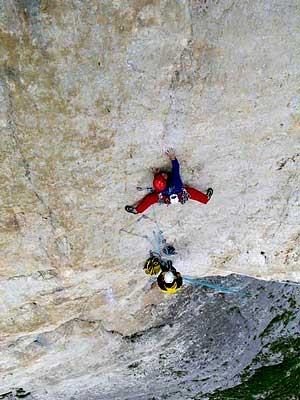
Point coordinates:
[[169, 189], [169, 280]]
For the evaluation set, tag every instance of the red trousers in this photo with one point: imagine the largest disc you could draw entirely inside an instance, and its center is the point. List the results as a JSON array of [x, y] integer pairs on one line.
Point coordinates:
[[153, 198]]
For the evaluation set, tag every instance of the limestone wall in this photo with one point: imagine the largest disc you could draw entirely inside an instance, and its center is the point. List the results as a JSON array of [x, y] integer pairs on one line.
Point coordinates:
[[92, 93]]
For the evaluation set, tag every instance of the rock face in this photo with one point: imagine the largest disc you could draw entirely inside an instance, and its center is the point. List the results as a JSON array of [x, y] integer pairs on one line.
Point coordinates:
[[91, 93], [191, 345]]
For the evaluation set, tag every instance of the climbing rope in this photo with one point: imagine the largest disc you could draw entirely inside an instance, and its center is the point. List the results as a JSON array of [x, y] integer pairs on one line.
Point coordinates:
[[221, 289], [158, 241]]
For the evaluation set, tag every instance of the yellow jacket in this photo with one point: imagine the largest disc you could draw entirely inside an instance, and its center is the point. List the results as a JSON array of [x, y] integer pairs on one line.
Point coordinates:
[[170, 288]]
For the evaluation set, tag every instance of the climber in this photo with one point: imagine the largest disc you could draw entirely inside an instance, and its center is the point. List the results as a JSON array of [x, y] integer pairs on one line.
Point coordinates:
[[168, 280], [152, 265], [169, 189]]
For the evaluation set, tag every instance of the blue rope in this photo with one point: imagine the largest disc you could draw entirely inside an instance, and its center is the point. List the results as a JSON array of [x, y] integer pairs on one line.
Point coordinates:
[[158, 238], [141, 236], [155, 219], [160, 241], [157, 244], [217, 287], [125, 230]]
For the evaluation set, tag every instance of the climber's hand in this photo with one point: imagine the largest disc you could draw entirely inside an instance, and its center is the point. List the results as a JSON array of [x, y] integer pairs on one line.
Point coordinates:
[[170, 153]]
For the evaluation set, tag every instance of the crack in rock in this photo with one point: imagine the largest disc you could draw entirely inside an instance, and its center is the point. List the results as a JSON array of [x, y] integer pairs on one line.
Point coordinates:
[[61, 241], [283, 163], [190, 11], [134, 337]]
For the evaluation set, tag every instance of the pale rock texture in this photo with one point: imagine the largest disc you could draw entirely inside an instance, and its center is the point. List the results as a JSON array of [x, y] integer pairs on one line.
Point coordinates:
[[91, 94]]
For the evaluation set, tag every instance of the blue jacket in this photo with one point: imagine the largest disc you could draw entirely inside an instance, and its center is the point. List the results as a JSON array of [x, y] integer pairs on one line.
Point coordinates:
[[174, 183]]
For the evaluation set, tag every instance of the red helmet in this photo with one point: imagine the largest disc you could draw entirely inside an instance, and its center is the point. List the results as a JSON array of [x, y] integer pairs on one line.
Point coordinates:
[[159, 182]]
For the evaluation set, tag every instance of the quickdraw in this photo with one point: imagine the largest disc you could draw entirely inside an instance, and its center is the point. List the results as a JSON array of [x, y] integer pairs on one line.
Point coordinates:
[[181, 197], [185, 196]]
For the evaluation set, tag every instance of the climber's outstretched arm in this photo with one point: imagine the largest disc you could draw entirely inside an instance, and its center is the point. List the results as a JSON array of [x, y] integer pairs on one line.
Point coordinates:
[[176, 181]]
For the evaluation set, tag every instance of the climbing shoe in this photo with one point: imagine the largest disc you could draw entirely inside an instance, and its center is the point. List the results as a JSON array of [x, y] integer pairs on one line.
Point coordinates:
[[209, 193], [130, 209]]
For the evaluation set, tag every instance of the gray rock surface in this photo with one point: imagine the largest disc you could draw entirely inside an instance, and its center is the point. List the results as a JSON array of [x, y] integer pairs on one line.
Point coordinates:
[[91, 93], [193, 343]]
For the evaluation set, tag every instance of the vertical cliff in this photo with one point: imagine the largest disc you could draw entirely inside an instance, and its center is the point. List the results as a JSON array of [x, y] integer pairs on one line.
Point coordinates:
[[91, 93]]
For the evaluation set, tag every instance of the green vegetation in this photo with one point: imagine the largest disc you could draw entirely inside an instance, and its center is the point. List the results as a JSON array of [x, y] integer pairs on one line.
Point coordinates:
[[284, 318], [273, 382], [292, 302]]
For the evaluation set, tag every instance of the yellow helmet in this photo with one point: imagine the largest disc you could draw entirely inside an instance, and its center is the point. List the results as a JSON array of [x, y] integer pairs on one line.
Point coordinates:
[[169, 282], [152, 266]]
